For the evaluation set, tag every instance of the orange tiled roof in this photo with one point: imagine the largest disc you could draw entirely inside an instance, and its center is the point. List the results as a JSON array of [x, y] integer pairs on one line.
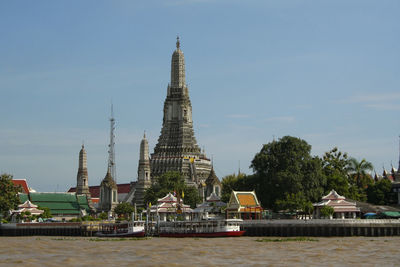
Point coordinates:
[[246, 200]]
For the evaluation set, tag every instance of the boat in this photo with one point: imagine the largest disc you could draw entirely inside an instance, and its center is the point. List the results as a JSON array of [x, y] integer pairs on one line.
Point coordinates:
[[201, 228], [124, 229]]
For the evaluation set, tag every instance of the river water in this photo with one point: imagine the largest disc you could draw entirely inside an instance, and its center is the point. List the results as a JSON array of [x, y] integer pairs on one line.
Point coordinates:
[[84, 251]]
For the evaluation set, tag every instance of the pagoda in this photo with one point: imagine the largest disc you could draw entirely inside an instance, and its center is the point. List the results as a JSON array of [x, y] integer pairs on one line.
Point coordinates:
[[177, 148]]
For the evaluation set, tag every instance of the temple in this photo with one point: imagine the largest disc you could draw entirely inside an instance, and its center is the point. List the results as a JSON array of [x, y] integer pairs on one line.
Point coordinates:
[[108, 193], [177, 148], [342, 209]]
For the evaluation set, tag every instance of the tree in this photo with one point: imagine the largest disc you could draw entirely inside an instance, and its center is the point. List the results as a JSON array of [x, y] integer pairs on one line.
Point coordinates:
[[9, 194], [124, 209], [191, 196], [240, 182], [358, 170], [172, 182], [292, 202], [46, 213], [308, 208], [380, 193], [327, 211], [286, 167], [335, 166]]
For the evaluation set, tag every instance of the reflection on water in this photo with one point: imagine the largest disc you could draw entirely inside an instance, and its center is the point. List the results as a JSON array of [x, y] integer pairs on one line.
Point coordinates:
[[81, 251]]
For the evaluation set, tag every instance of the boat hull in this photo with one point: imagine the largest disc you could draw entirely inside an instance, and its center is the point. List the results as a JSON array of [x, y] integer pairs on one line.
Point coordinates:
[[133, 234], [211, 234]]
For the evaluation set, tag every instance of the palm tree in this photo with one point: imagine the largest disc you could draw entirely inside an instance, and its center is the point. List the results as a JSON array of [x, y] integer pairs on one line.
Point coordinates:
[[359, 169]]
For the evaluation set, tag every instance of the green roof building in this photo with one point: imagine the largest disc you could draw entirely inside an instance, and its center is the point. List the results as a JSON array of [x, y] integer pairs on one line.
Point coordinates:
[[61, 205]]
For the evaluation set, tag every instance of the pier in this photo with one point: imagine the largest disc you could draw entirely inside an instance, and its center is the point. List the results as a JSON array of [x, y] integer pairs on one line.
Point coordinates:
[[284, 228], [347, 227]]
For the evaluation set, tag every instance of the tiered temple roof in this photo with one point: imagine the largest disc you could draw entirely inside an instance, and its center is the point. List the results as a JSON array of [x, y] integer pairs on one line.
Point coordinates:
[[337, 202]]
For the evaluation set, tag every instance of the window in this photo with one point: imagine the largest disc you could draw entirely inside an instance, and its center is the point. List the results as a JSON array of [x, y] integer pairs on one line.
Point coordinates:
[[114, 194], [217, 190]]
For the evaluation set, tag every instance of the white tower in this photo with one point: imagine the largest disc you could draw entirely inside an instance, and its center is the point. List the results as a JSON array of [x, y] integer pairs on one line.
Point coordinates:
[[82, 183]]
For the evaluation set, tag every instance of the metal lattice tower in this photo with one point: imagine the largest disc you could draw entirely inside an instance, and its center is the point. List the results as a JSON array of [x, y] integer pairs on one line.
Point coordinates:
[[111, 147], [398, 169]]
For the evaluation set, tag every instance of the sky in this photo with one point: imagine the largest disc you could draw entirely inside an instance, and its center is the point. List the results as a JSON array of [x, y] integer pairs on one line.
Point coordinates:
[[324, 71]]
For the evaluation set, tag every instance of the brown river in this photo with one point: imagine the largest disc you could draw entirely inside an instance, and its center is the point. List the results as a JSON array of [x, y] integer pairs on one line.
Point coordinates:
[[245, 251]]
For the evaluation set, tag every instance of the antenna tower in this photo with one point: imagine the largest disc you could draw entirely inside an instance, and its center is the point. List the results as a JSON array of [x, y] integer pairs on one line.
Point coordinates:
[[111, 147], [398, 169]]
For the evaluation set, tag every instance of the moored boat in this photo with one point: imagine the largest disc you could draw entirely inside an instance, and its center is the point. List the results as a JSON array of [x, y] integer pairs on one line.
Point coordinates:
[[201, 228], [125, 229]]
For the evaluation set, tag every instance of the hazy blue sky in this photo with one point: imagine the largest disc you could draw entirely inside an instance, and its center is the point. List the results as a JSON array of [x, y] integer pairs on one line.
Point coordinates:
[[324, 71]]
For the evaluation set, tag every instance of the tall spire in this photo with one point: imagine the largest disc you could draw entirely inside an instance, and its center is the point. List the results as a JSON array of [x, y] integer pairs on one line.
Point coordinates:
[[177, 148], [178, 79], [111, 147]]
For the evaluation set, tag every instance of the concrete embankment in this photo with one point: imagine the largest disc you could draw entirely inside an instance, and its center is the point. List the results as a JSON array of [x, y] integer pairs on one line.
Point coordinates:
[[51, 229], [348, 227]]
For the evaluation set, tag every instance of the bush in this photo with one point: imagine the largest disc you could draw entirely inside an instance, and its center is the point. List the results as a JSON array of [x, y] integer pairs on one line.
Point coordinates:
[[87, 218], [103, 216]]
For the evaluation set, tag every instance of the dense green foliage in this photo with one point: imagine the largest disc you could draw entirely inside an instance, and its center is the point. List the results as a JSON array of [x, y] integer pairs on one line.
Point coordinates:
[[285, 167], [8, 194], [235, 182], [334, 167], [103, 216], [380, 193], [287, 177], [124, 209], [172, 182]]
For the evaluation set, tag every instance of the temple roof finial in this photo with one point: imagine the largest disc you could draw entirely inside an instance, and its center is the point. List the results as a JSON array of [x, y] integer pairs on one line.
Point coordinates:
[[178, 43], [144, 134]]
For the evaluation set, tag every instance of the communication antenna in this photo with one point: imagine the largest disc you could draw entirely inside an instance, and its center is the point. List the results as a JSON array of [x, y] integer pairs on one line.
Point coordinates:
[[111, 147], [399, 155]]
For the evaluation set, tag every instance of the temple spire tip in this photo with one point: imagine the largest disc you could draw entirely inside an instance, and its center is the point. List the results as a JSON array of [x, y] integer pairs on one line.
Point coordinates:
[[178, 43]]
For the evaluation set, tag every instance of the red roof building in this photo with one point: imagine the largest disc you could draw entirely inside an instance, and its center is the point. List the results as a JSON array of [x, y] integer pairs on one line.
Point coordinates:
[[22, 183]]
